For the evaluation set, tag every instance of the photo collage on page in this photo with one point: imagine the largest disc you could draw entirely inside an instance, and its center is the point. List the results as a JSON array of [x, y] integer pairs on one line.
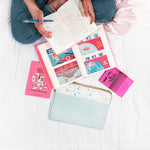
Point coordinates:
[[93, 54], [65, 65]]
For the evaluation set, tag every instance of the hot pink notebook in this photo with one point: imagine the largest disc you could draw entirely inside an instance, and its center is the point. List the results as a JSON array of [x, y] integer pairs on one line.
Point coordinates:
[[116, 80], [37, 84]]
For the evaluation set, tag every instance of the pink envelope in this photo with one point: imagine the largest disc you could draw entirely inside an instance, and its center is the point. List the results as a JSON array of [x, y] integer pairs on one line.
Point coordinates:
[[116, 80]]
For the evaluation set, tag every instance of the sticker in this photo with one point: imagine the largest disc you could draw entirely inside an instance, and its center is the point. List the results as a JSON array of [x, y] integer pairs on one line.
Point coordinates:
[[59, 59], [96, 64], [91, 46], [68, 72]]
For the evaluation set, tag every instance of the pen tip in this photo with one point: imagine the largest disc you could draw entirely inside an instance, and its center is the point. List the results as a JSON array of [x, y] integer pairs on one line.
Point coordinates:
[[24, 20]]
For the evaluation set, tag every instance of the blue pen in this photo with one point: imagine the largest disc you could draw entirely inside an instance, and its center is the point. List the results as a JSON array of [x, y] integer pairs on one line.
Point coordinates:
[[33, 21]]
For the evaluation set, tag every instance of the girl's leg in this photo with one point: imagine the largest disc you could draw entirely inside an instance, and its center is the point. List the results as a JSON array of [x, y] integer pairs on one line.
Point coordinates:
[[104, 10], [25, 33]]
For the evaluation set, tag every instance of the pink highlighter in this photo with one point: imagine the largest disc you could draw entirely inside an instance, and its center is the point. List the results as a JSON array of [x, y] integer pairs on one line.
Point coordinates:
[[116, 80]]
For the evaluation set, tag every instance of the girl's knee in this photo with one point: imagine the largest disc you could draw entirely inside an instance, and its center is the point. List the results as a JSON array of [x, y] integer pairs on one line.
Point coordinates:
[[23, 40], [24, 34], [104, 10]]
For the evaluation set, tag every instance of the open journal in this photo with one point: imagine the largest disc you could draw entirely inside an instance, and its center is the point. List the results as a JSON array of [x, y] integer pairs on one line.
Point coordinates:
[[88, 57], [69, 27]]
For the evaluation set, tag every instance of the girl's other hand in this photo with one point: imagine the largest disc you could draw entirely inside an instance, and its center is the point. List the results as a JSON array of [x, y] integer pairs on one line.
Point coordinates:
[[88, 9]]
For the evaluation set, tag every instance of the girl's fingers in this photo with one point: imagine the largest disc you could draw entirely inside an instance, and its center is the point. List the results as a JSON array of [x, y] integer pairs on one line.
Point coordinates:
[[86, 12], [40, 21], [45, 33], [91, 12]]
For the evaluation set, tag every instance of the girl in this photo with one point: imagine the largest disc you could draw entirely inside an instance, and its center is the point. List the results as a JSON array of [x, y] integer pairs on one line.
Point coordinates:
[[101, 11]]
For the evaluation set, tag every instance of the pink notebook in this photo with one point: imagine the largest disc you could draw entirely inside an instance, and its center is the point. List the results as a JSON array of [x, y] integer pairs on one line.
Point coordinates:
[[116, 80], [87, 58], [37, 84]]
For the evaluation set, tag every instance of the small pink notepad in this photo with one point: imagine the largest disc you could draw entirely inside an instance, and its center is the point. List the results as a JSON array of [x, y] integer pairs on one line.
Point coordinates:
[[37, 84], [116, 80]]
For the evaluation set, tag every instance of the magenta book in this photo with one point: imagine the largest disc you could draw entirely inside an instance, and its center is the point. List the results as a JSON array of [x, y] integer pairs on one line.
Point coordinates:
[[37, 84], [116, 80]]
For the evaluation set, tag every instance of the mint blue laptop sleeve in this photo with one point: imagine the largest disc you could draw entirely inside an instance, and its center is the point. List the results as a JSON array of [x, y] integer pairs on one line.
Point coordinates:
[[79, 110]]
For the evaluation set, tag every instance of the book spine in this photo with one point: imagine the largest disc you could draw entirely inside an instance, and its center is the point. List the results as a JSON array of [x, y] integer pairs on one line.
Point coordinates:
[[110, 46], [44, 68]]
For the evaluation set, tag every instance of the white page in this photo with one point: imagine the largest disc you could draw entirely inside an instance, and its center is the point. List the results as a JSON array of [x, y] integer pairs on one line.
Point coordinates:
[[80, 61], [50, 69], [42, 49], [78, 26], [61, 39], [106, 51], [107, 47]]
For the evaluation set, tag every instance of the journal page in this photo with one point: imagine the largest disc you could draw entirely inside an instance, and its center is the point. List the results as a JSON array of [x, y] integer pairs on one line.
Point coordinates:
[[77, 25], [63, 68], [61, 39], [94, 53]]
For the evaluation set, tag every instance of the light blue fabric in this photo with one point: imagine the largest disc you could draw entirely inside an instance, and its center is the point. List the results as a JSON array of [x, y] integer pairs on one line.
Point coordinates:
[[78, 111]]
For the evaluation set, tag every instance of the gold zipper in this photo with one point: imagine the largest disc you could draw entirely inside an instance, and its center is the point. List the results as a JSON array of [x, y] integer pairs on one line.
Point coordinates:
[[93, 87]]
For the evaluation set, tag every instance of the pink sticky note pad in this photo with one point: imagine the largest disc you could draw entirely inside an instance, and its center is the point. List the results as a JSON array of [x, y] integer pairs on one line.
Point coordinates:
[[37, 84], [116, 80]]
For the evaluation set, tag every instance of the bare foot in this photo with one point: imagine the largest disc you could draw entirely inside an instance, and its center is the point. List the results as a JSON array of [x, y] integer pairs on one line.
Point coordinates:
[[55, 4]]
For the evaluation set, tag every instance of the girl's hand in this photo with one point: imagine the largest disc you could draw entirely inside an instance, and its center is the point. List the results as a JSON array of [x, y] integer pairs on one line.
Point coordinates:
[[37, 14], [88, 9]]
